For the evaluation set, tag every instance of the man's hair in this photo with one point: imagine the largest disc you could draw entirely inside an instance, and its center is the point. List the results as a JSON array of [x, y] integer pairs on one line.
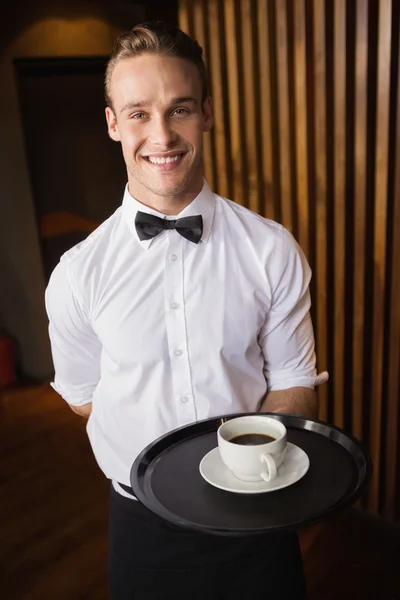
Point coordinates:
[[155, 38]]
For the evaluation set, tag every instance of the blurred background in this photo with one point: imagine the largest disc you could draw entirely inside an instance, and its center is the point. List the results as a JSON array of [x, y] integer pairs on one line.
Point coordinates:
[[306, 98]]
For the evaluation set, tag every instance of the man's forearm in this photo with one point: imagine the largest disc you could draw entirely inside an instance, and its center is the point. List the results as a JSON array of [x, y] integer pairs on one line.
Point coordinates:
[[83, 411], [301, 401]]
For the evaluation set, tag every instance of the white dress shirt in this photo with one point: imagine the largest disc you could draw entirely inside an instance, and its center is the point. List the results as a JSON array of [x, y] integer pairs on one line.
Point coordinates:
[[160, 333]]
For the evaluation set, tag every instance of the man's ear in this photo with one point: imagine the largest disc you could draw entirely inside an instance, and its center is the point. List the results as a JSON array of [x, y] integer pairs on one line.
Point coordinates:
[[208, 118], [112, 125]]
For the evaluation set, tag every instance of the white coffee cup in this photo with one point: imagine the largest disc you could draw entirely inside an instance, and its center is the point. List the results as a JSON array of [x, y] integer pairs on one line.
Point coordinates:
[[252, 462]]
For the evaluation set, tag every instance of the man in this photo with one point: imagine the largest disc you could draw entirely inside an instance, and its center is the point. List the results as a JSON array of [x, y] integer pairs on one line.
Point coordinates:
[[156, 322]]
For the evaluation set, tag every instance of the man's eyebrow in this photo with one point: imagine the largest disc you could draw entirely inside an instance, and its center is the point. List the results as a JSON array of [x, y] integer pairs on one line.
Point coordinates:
[[133, 104], [142, 103], [184, 99]]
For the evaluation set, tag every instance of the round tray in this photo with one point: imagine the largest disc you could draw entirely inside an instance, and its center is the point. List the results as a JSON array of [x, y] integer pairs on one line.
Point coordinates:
[[165, 477]]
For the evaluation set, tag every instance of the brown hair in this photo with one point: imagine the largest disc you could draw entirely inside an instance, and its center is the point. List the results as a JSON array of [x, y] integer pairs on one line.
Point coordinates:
[[155, 38]]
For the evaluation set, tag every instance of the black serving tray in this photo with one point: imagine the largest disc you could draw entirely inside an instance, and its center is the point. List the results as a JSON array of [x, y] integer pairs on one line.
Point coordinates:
[[165, 478]]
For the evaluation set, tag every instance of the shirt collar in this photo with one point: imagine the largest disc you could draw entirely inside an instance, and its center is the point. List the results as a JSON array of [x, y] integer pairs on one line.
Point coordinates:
[[203, 204]]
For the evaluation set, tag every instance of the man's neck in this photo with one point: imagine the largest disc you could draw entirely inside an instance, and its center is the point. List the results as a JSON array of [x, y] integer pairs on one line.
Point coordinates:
[[166, 205]]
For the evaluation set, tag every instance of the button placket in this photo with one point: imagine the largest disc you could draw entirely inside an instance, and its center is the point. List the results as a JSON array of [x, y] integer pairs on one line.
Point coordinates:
[[176, 330]]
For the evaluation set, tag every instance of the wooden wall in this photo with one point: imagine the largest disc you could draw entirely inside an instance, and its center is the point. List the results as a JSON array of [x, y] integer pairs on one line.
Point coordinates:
[[307, 132]]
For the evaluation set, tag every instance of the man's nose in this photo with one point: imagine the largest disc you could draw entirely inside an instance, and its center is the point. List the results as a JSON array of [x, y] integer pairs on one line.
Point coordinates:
[[162, 134]]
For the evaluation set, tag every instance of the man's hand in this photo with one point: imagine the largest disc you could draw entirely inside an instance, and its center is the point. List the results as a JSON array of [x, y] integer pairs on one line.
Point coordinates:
[[300, 401], [82, 411]]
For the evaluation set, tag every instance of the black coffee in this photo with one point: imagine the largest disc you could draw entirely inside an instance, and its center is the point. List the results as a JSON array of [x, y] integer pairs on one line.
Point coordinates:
[[252, 439]]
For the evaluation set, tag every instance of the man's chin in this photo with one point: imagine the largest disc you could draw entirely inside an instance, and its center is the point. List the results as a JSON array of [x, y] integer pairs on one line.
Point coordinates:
[[167, 185], [169, 190]]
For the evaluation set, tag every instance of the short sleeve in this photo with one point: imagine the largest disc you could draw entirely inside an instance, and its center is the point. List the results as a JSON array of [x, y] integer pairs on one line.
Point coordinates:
[[287, 336], [75, 348]]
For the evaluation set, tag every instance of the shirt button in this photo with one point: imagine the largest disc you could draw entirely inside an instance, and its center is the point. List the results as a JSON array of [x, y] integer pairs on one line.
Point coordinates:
[[184, 399], [174, 305], [174, 257], [178, 352]]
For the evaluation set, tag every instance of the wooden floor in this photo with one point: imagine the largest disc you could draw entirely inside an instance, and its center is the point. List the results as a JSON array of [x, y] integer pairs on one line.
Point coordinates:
[[54, 510]]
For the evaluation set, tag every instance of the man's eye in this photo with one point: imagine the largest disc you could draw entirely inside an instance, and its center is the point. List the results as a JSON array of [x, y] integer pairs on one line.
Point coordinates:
[[181, 111], [138, 116]]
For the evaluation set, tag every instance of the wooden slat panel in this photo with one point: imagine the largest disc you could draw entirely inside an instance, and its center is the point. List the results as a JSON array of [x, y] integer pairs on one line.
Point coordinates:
[[215, 49], [238, 143], [283, 111], [392, 459], [265, 104], [320, 195], [360, 189], [200, 32], [249, 92], [339, 201], [381, 191], [300, 81], [183, 15]]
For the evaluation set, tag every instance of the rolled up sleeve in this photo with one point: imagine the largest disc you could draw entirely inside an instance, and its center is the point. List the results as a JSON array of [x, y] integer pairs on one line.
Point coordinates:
[[75, 348], [287, 337]]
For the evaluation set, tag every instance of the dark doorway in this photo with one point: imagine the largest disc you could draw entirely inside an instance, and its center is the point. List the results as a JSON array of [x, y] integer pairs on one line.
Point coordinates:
[[77, 172]]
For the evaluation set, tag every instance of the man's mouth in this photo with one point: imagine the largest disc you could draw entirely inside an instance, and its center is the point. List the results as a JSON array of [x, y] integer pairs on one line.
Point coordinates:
[[164, 160]]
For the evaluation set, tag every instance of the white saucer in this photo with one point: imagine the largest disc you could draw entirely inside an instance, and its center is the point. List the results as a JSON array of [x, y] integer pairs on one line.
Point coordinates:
[[214, 471]]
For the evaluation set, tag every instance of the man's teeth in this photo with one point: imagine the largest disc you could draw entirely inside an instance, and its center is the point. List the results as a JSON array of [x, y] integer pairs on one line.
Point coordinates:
[[163, 161]]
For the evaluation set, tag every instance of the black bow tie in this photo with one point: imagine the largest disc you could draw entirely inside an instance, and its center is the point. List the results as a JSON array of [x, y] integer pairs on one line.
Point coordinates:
[[148, 226]]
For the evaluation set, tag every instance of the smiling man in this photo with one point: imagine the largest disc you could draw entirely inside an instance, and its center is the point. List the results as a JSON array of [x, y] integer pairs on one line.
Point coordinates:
[[182, 306]]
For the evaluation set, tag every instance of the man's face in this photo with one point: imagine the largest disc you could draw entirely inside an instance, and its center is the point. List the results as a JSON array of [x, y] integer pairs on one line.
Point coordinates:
[[159, 118]]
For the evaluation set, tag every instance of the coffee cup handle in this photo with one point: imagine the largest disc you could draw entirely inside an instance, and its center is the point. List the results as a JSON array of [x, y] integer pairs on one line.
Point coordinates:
[[270, 473]]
